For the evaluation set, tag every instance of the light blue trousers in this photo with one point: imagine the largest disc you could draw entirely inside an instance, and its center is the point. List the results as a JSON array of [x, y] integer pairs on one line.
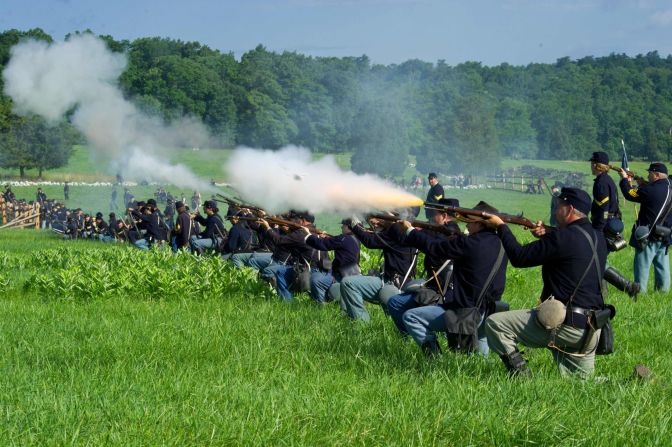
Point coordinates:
[[355, 290], [653, 253]]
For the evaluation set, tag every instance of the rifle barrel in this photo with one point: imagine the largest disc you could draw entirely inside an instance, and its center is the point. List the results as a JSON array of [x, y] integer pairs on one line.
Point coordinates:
[[630, 173], [517, 220]]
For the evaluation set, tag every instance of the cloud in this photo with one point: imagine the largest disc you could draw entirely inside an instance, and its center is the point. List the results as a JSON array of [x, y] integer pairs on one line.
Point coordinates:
[[662, 18]]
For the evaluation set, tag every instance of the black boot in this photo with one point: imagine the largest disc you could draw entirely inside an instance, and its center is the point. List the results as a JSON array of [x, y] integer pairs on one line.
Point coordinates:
[[431, 349], [516, 364], [613, 277]]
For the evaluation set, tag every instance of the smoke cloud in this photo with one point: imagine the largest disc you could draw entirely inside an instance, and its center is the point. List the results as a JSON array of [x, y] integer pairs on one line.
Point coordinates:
[[290, 179], [81, 75]]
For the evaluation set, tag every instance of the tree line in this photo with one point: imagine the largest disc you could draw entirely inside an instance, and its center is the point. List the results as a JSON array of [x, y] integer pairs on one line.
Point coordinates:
[[454, 119]]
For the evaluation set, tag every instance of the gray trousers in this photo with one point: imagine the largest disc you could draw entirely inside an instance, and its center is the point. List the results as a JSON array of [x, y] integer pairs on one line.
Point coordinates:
[[506, 329], [355, 290]]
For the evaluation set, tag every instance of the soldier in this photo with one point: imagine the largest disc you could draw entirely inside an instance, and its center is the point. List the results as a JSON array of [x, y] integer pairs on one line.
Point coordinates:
[[66, 191], [438, 269], [100, 227], [40, 197], [113, 200], [150, 220], [183, 227], [651, 232], [398, 268], [243, 241], [346, 256], [572, 260], [213, 234], [303, 257], [605, 214], [479, 279], [434, 194]]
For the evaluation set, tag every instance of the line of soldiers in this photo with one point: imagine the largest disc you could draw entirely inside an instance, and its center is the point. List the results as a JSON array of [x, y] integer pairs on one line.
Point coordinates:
[[464, 273]]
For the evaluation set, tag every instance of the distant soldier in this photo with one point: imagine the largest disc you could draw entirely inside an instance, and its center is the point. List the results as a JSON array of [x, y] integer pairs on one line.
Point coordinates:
[[183, 228], [113, 200], [196, 200], [213, 234], [41, 197], [66, 191], [435, 193]]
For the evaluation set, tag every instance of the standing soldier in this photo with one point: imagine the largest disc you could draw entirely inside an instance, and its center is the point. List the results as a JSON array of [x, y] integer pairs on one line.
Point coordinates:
[[604, 210], [41, 197], [435, 193], [66, 191], [651, 232], [113, 200]]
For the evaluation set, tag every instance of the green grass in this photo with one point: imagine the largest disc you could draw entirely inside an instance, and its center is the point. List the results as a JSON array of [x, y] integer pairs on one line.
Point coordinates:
[[179, 365]]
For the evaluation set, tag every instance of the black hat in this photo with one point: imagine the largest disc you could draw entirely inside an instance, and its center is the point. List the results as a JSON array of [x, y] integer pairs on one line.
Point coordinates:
[[210, 204], [600, 157], [657, 167], [347, 222], [151, 202], [431, 175], [140, 204], [179, 204], [576, 197], [99, 215], [305, 215], [484, 206], [449, 202]]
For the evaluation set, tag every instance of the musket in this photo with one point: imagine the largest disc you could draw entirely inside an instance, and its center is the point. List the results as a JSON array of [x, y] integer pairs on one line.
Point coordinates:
[[508, 218], [416, 223], [282, 222], [235, 204], [639, 178]]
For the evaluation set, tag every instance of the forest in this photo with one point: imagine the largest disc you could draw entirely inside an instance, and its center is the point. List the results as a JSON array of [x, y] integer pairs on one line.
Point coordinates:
[[453, 119]]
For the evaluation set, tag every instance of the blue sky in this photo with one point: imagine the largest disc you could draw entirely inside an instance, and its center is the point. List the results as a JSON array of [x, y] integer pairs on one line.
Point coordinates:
[[388, 31]]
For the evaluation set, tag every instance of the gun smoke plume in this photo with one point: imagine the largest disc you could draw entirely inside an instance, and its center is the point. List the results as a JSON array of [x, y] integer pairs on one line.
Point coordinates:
[[81, 74], [290, 178]]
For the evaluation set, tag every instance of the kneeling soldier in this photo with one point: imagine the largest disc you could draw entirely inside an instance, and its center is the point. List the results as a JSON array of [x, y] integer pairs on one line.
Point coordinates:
[[573, 260]]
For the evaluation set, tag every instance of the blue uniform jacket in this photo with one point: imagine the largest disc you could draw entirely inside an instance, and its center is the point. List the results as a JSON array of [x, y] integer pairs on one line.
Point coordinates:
[[474, 257], [398, 259], [563, 255], [344, 246], [605, 201]]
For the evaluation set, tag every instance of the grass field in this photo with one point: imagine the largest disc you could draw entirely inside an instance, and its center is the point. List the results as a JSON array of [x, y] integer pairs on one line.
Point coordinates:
[[103, 344]]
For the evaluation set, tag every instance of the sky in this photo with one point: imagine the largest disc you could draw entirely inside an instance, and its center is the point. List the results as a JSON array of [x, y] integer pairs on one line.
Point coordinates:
[[492, 32]]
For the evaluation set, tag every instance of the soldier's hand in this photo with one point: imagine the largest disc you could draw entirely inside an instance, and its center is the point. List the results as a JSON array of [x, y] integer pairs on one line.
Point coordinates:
[[492, 220], [539, 230], [406, 225], [264, 224], [305, 230], [622, 173]]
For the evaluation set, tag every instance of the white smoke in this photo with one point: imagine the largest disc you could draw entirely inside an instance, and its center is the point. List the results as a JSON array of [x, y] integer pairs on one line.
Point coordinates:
[[81, 74], [290, 178]]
